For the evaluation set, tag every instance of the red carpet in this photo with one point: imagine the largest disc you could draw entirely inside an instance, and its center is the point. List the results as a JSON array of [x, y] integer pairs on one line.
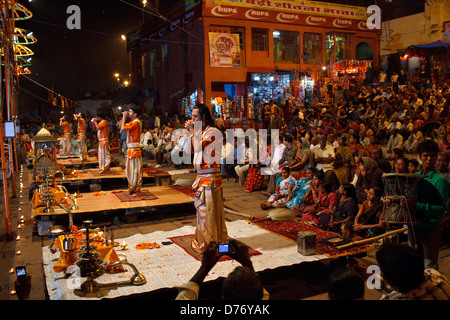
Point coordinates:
[[290, 228], [152, 171], [124, 196], [186, 190], [112, 172], [185, 243]]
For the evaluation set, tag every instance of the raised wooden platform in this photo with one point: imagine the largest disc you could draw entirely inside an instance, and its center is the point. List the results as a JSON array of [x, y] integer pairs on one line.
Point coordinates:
[[75, 162], [98, 205], [160, 177]]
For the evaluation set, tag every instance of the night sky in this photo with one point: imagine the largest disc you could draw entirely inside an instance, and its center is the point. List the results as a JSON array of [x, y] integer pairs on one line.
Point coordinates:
[[76, 60]]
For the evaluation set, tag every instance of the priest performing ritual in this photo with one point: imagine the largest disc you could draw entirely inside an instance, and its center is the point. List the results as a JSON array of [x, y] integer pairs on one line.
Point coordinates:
[[102, 128], [207, 186], [81, 135], [133, 157], [66, 144]]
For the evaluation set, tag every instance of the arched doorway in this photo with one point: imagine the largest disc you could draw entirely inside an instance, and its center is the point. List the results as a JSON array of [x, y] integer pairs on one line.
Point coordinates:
[[364, 51]]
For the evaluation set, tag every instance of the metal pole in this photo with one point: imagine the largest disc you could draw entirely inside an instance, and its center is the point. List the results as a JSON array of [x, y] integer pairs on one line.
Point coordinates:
[[5, 180], [4, 13], [9, 64]]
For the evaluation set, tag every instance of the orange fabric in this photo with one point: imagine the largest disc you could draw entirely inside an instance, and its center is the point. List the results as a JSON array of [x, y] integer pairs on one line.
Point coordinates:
[[38, 202], [81, 128], [103, 133], [131, 154], [66, 127], [68, 258], [134, 129]]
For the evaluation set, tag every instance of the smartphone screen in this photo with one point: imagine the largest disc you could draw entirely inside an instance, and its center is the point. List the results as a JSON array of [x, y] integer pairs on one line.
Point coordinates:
[[21, 273], [223, 248]]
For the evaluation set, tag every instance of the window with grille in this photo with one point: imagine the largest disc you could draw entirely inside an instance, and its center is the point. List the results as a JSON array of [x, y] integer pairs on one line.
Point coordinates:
[[312, 48], [260, 39], [286, 46]]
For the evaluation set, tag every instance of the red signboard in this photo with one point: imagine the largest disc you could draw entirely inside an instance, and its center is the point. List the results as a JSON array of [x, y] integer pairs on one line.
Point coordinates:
[[288, 17]]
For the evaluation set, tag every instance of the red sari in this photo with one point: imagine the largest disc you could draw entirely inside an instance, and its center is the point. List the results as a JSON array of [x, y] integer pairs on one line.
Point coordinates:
[[254, 179]]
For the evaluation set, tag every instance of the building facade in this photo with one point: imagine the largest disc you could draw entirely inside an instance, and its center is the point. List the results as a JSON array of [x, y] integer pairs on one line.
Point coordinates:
[[406, 24], [234, 55]]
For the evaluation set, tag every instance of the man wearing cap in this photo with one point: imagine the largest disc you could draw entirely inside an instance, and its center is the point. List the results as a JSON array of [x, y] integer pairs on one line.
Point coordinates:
[[102, 128], [133, 157]]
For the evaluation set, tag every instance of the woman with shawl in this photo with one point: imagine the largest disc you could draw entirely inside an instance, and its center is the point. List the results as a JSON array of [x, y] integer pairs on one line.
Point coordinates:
[[370, 176]]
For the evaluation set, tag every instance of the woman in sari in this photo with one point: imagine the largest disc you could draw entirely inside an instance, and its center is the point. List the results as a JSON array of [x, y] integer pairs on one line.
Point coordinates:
[[344, 212], [311, 197], [303, 160], [299, 188], [354, 144], [279, 198], [254, 180], [343, 162], [368, 220], [372, 144], [326, 203]]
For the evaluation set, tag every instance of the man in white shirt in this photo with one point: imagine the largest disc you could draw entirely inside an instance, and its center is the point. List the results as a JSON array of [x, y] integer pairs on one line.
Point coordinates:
[[416, 102], [395, 141], [324, 158], [324, 154], [413, 141], [145, 136], [274, 164], [157, 122]]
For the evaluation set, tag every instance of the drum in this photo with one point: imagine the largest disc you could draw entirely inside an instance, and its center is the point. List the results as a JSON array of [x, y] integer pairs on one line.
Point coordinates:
[[399, 185], [396, 187]]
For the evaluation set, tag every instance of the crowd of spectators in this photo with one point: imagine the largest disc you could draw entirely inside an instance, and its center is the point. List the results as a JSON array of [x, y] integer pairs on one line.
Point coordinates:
[[327, 165], [332, 155]]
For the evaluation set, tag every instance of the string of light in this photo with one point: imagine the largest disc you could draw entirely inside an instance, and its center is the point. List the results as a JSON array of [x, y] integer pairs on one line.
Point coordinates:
[[158, 15], [52, 91]]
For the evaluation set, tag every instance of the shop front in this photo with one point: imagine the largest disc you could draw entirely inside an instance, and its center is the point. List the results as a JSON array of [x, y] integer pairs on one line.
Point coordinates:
[[228, 102], [187, 103], [287, 89], [345, 75]]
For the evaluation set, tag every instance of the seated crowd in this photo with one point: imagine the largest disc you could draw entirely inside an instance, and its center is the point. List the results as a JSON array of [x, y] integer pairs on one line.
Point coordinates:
[[329, 163]]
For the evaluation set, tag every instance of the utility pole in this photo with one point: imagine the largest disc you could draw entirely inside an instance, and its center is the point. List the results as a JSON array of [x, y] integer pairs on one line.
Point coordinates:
[[4, 168]]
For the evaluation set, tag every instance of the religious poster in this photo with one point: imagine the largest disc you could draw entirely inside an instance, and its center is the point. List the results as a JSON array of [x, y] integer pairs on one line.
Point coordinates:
[[224, 50]]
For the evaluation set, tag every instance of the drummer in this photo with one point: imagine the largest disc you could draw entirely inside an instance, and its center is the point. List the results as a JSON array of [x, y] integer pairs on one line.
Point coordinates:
[[430, 199]]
